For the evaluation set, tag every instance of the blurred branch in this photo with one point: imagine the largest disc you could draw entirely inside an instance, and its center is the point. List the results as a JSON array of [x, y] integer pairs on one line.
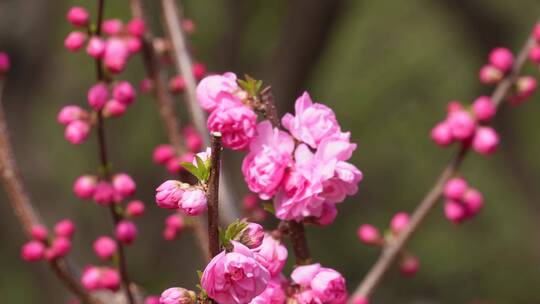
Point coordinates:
[[392, 251], [23, 208], [304, 36], [172, 21]]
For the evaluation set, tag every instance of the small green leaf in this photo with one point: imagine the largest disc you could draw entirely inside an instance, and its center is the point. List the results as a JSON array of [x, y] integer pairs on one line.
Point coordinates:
[[204, 171], [199, 274], [192, 169], [269, 207]]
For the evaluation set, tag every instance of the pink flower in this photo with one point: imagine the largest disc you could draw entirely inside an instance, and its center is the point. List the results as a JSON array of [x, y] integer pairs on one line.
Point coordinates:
[[192, 138], [4, 63], [69, 114], [124, 92], [193, 201], [65, 228], [77, 131], [252, 236], [126, 232], [133, 44], [441, 134], [177, 295], [455, 188], [85, 186], [473, 201], [163, 153], [313, 121], [78, 16], [328, 215], [169, 194], [270, 154], [485, 140], [409, 266], [234, 120], [90, 278], [502, 59], [135, 208], [369, 234], [32, 251], [235, 277], [60, 247], [211, 86], [105, 247], [271, 254], [454, 212], [114, 108], [462, 125], [98, 95], [273, 294], [123, 185], [490, 74], [399, 222], [39, 233], [326, 284], [112, 27], [136, 27], [104, 193], [483, 108], [116, 55], [94, 278], [74, 41], [96, 47]]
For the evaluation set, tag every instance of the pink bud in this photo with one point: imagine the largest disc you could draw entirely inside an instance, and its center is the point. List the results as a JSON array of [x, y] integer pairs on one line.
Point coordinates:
[[455, 188], [169, 234], [74, 41], [193, 202], [114, 108], [135, 208], [78, 16], [192, 138], [473, 201], [112, 27], [110, 279], [77, 131], [369, 234], [441, 134], [123, 184], [175, 221], [252, 236], [71, 113], [163, 153], [169, 194], [105, 247], [173, 165], [178, 295], [96, 47], [399, 222], [484, 108], [39, 233], [536, 32], [133, 45], [4, 63], [409, 266], [65, 228], [136, 27], [91, 277], [454, 106], [490, 74], [250, 201], [85, 186], [199, 70], [32, 251], [104, 193], [485, 140], [534, 54], [98, 95], [124, 92], [525, 87], [116, 55], [60, 247], [360, 300], [188, 26], [151, 300], [126, 232], [462, 125], [177, 84], [146, 85], [502, 59], [454, 212]]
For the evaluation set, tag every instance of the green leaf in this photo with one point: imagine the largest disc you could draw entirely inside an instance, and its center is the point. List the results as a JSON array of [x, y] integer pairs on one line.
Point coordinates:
[[199, 274], [204, 171], [192, 169], [269, 207], [234, 229]]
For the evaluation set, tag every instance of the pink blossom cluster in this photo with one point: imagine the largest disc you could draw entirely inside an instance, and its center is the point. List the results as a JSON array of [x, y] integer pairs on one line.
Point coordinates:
[[43, 247], [166, 155], [104, 192], [173, 194], [462, 201], [100, 278], [467, 127], [317, 284]]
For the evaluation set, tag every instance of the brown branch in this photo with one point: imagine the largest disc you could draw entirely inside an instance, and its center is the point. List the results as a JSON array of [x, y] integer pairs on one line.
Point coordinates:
[[213, 195], [23, 208], [392, 250], [183, 63]]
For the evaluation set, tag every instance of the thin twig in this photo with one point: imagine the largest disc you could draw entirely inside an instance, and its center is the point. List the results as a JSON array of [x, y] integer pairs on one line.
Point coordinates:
[[391, 251], [172, 19], [213, 195]]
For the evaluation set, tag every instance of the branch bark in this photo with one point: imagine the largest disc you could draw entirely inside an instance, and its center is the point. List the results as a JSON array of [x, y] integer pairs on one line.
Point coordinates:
[[392, 251], [213, 195]]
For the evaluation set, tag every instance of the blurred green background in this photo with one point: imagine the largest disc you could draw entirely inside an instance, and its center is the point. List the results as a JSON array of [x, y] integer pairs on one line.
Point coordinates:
[[387, 68]]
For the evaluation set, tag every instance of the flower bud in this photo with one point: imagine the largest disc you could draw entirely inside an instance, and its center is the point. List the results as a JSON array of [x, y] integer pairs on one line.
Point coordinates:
[[454, 212], [484, 108], [252, 236], [39, 233], [454, 106], [78, 16], [151, 300], [199, 70], [455, 188], [177, 84], [110, 279], [133, 45], [136, 27], [96, 47], [525, 87], [116, 55], [85, 186], [170, 234], [90, 278], [173, 165], [163, 153], [534, 54], [473, 201], [175, 221], [135, 208], [193, 201], [146, 85], [114, 108], [536, 32], [502, 59], [60, 247], [177, 295], [126, 232], [74, 41], [490, 74], [105, 247], [124, 92], [250, 201], [4, 63], [69, 114], [409, 266], [462, 125], [485, 140], [169, 193], [441, 134], [76, 132], [399, 222], [188, 26], [98, 95], [65, 228], [32, 251], [192, 138], [112, 27], [123, 184], [104, 193], [369, 234]]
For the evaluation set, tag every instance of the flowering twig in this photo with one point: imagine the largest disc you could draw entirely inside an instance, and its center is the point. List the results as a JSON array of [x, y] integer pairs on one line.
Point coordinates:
[[213, 195], [392, 250], [22, 206], [165, 105], [183, 64]]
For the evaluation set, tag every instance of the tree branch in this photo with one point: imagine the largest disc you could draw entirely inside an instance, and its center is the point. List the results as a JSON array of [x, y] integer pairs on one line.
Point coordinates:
[[213, 195], [391, 251]]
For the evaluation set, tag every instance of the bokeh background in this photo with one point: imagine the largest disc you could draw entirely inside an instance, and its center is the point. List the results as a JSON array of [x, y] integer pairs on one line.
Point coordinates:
[[388, 68]]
